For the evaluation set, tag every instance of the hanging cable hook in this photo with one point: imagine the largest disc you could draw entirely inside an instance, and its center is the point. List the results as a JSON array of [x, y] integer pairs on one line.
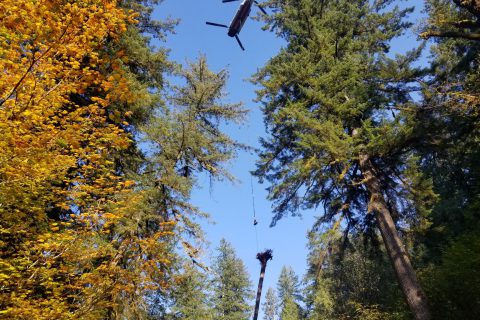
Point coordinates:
[[255, 221]]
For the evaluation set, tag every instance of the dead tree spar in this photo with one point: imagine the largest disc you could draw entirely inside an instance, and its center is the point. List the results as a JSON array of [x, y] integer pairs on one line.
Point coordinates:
[[263, 257]]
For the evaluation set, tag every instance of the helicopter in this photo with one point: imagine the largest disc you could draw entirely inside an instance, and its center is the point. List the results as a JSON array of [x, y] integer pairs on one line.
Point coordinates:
[[239, 19]]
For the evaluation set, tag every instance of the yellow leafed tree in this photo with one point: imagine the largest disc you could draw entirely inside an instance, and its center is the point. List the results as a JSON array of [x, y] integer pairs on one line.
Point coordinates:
[[62, 203]]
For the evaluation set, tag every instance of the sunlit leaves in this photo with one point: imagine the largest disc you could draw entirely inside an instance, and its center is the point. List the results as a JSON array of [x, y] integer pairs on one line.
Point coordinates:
[[62, 201]]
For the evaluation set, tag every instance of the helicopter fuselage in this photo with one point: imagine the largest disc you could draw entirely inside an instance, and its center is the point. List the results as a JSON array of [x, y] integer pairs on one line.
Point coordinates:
[[240, 17]]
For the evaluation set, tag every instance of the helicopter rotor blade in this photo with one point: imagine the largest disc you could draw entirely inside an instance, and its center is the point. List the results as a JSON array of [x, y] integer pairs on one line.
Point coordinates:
[[261, 9], [216, 24], [228, 1], [239, 42]]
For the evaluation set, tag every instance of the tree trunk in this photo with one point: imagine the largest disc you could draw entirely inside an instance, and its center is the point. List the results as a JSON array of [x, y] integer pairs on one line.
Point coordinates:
[[263, 257], [259, 291], [404, 272]]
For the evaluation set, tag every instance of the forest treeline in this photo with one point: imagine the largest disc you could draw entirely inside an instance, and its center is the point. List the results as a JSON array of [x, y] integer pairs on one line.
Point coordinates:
[[100, 150]]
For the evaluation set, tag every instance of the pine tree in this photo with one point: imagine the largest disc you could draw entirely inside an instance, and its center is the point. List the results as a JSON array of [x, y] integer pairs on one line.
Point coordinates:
[[191, 296], [185, 140], [270, 306], [103, 215], [342, 121], [320, 299], [231, 285], [353, 279], [290, 310], [288, 287]]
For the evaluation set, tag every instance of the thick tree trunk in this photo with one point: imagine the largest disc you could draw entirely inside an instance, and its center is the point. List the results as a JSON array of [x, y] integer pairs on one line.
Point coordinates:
[[401, 263], [259, 291], [263, 257]]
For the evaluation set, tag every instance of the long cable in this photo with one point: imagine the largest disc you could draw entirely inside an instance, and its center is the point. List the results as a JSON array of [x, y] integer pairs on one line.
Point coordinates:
[[255, 222]]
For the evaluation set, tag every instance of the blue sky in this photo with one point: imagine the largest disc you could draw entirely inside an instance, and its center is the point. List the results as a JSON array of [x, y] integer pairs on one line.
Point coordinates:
[[230, 205]]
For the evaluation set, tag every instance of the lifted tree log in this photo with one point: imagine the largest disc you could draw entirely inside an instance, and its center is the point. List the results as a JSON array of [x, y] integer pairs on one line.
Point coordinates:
[[263, 257]]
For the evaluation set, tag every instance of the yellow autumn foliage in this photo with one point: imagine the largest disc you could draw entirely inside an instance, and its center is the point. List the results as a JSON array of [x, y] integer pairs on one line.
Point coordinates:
[[60, 196]]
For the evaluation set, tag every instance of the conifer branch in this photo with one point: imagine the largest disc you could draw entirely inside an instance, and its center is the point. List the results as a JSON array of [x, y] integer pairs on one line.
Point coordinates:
[[472, 6], [450, 34]]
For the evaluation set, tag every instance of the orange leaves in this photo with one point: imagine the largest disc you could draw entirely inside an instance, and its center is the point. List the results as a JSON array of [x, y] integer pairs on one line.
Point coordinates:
[[74, 232], [49, 45], [59, 191]]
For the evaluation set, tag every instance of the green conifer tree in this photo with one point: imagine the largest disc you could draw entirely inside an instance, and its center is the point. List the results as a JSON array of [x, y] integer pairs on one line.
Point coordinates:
[[185, 140], [320, 298], [232, 291], [288, 287], [290, 310], [355, 279], [191, 297], [270, 306], [341, 121], [176, 132], [450, 248]]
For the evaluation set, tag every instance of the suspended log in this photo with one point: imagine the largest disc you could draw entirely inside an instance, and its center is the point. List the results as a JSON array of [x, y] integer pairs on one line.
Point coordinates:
[[263, 257]]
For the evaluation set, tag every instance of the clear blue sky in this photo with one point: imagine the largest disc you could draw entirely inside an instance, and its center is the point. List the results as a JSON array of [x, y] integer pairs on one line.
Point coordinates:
[[230, 205]]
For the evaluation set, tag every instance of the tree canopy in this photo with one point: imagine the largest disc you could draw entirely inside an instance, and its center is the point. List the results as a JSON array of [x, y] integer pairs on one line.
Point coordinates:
[[104, 139]]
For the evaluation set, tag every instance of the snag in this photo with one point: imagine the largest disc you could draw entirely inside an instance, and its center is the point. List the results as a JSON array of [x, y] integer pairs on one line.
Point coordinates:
[[263, 257]]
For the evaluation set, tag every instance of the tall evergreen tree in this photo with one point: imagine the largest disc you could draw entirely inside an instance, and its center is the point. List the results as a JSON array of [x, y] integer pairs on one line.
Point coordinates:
[[96, 245], [341, 121], [270, 306], [290, 310], [288, 287], [191, 296], [231, 286], [319, 298], [185, 140], [450, 248], [356, 279], [177, 134]]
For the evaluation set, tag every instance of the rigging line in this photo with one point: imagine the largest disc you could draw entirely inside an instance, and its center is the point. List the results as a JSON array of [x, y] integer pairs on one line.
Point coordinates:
[[253, 197], [254, 213], [256, 237]]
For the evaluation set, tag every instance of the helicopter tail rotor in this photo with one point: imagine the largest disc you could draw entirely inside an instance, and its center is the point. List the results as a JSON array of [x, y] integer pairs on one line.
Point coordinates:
[[239, 42]]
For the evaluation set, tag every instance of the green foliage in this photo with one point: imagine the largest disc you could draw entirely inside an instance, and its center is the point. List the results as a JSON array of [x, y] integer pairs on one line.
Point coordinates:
[[185, 140], [454, 284], [231, 285], [333, 79], [448, 251], [290, 310], [331, 97], [270, 306], [288, 285], [289, 294], [374, 313], [357, 281], [190, 296]]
